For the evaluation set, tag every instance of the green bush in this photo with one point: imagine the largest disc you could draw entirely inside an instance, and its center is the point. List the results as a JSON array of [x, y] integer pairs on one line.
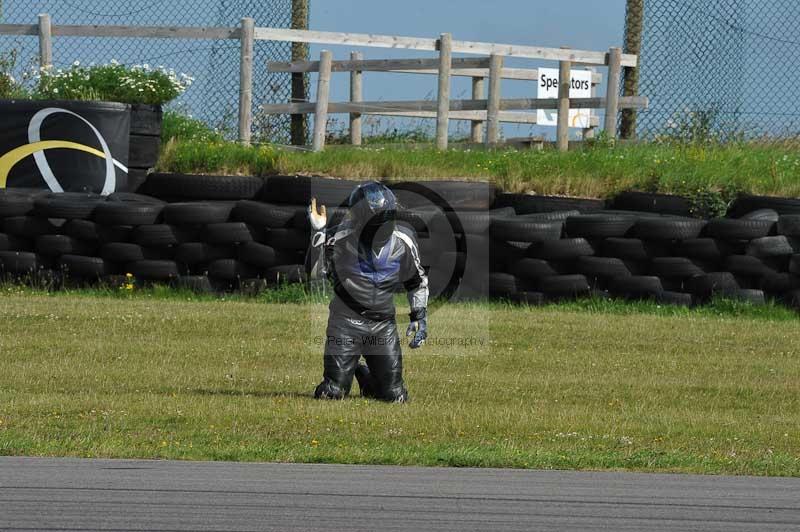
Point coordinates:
[[10, 88], [113, 82], [180, 126]]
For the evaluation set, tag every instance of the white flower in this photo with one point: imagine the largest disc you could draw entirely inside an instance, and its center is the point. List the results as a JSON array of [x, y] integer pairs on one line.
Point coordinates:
[[114, 62], [76, 63]]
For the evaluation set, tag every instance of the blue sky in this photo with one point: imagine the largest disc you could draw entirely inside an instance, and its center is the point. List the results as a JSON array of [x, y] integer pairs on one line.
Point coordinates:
[[584, 24]]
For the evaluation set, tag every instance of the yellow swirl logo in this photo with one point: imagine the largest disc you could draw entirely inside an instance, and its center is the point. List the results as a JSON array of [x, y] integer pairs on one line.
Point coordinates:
[[36, 147]]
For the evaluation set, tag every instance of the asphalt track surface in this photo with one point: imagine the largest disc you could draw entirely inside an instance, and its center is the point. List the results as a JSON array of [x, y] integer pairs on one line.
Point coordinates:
[[75, 494]]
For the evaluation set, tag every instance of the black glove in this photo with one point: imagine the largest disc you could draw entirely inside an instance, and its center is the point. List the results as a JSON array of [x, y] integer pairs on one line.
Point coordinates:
[[418, 327]]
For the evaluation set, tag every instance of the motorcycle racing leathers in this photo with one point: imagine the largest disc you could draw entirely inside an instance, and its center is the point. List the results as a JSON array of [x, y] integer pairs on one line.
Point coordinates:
[[362, 312]]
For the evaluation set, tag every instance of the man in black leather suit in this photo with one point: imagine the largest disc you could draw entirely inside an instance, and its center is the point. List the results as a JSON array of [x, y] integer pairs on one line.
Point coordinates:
[[366, 258]]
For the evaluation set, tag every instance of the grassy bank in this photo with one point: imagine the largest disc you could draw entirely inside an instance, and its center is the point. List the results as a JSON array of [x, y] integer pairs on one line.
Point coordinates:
[[587, 386], [591, 172]]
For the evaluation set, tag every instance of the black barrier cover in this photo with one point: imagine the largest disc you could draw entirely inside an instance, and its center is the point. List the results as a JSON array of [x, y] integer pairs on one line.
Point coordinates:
[[69, 146]]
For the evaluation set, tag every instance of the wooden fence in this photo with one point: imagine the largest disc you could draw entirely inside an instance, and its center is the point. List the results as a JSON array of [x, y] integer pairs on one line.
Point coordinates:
[[491, 110]]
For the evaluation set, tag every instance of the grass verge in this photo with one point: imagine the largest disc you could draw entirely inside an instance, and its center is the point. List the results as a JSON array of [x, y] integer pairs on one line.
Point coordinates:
[[581, 386], [597, 172]]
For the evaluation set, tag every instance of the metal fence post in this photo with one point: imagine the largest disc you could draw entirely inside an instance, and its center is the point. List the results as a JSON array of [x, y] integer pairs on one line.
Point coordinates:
[[443, 96], [356, 95], [323, 93], [612, 93], [493, 105], [562, 126], [246, 81], [45, 41]]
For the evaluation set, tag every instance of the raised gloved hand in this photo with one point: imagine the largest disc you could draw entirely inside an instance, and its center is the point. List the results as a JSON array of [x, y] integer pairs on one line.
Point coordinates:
[[318, 219], [419, 328]]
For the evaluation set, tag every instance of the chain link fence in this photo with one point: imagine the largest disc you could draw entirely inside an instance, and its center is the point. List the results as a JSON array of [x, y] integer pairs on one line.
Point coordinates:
[[726, 69], [213, 97]]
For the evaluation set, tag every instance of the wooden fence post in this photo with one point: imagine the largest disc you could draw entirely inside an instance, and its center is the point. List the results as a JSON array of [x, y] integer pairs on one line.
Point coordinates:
[[493, 105], [562, 126], [45, 41], [612, 93], [246, 81], [588, 132], [476, 128], [356, 95], [299, 123], [443, 96], [323, 93]]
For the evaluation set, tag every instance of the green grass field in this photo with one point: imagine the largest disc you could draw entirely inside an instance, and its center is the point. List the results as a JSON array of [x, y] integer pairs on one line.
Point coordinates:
[[580, 386], [600, 172]]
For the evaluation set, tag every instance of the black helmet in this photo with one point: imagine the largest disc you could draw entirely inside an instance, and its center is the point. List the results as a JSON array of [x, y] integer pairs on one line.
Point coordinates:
[[373, 209]]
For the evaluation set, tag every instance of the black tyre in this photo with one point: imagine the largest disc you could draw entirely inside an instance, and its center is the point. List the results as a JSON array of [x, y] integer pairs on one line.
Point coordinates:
[[769, 215], [132, 197], [676, 267], [527, 203], [15, 243], [127, 213], [559, 286], [636, 286], [199, 284], [287, 273], [773, 246], [634, 249], [744, 204], [261, 255], [67, 205], [599, 225], [143, 151], [153, 270], [125, 252], [56, 245], [651, 202], [527, 297], [709, 284], [83, 267], [83, 230], [564, 249], [602, 267], [29, 226], [476, 222], [447, 195], [789, 225], [555, 216], [708, 249], [14, 204], [505, 285], [747, 295], [20, 262], [794, 264], [261, 214], [193, 253], [732, 229], [669, 228], [230, 270], [750, 266], [198, 213], [203, 187], [681, 299], [298, 190], [164, 235], [535, 269], [290, 239], [780, 283], [231, 233], [518, 229]]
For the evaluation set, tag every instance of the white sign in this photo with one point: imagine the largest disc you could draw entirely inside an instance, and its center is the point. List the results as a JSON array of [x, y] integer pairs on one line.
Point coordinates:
[[580, 87]]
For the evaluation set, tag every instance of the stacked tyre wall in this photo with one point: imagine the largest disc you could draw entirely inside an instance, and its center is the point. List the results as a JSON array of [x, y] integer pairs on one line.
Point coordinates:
[[212, 233]]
